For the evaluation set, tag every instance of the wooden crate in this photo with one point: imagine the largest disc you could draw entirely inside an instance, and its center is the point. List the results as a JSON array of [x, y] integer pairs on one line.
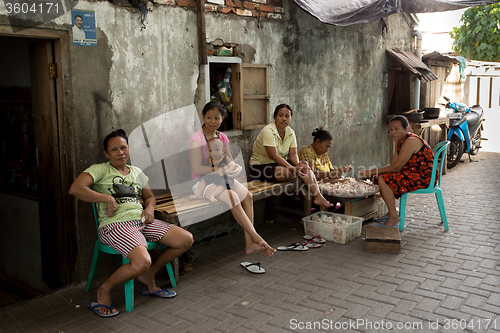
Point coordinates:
[[365, 208], [382, 239]]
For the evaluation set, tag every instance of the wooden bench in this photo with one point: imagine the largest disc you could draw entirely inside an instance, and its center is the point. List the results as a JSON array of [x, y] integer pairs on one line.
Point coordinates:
[[188, 210], [185, 211]]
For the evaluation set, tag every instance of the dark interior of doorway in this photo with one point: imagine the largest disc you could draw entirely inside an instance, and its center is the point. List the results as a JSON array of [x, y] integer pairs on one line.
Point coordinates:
[[18, 176], [399, 90], [13, 291]]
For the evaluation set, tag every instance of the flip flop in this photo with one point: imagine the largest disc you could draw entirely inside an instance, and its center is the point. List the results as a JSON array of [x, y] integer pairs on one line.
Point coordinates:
[[293, 247], [253, 268], [94, 307], [317, 239], [312, 244], [393, 226], [164, 293], [381, 218]]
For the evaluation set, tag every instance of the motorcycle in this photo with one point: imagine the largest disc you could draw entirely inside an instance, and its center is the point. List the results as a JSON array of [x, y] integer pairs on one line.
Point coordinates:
[[464, 134]]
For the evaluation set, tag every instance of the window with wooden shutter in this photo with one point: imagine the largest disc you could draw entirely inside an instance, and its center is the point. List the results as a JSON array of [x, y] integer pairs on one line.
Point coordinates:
[[252, 91]]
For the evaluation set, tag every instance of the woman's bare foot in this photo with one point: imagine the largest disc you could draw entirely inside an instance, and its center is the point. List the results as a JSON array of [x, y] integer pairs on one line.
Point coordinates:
[[392, 220], [149, 281], [104, 298], [211, 198], [254, 248], [268, 251], [321, 201]]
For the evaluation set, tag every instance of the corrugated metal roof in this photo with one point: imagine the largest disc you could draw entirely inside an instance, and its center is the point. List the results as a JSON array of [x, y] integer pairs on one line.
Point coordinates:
[[413, 64], [438, 56]]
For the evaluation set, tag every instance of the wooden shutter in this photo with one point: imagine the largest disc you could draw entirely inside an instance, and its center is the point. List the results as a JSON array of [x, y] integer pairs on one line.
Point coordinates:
[[252, 96]]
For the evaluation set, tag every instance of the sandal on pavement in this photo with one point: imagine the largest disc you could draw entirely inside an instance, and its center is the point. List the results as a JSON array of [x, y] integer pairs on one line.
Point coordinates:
[[312, 244], [94, 306], [253, 268], [381, 218], [393, 226], [318, 239], [164, 293], [293, 247]]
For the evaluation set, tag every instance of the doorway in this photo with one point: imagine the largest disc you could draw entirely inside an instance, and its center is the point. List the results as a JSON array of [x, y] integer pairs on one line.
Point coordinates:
[[36, 237]]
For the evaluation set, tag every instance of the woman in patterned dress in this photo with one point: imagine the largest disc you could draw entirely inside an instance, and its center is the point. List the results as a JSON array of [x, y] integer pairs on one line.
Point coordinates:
[[410, 168]]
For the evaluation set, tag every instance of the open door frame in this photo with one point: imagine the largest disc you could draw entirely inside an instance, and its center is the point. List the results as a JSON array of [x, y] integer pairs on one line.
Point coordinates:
[[57, 271]]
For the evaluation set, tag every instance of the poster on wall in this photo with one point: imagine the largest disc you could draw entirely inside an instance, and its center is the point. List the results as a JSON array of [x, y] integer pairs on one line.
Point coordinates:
[[83, 22]]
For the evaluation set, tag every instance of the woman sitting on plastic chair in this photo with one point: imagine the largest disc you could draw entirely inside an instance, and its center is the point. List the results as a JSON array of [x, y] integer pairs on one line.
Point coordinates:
[[410, 168], [124, 224]]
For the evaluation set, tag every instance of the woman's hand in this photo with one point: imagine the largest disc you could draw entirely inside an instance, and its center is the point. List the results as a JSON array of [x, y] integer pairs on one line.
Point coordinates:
[[148, 214], [365, 173], [304, 164], [346, 168], [301, 169], [236, 171], [111, 206]]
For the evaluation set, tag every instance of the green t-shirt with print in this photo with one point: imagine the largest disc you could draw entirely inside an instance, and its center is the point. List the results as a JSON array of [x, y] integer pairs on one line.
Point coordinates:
[[126, 190]]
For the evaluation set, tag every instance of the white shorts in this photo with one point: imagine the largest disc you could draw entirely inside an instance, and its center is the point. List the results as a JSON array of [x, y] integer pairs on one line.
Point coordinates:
[[196, 185]]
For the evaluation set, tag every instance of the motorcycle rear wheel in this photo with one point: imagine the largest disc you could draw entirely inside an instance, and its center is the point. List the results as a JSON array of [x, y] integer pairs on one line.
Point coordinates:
[[455, 151], [474, 149]]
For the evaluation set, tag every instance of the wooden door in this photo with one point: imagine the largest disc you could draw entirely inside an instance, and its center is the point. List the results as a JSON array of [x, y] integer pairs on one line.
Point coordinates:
[[252, 96], [52, 233]]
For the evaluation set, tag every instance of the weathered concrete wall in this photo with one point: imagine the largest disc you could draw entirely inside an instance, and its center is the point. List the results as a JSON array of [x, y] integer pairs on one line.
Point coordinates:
[[329, 75]]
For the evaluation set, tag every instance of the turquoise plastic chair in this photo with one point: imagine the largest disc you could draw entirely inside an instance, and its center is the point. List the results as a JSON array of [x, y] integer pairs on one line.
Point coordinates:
[[129, 285], [439, 153]]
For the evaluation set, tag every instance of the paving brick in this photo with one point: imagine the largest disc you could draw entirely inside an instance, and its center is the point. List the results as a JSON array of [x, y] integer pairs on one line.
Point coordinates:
[[475, 301], [356, 311], [451, 282], [407, 286], [450, 267], [268, 309], [476, 312], [404, 306], [257, 320], [383, 298], [405, 295], [381, 309], [429, 285], [271, 329], [452, 314], [338, 303], [363, 291], [181, 326], [282, 318]]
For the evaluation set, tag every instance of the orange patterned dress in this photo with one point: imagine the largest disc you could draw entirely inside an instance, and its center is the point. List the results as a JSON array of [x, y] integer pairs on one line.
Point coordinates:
[[416, 173]]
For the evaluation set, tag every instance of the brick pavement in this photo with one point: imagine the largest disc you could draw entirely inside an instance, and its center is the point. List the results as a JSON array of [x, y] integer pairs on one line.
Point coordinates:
[[439, 277]]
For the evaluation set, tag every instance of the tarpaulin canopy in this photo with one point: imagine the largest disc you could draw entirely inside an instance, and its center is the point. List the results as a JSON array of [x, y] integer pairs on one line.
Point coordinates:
[[342, 12]]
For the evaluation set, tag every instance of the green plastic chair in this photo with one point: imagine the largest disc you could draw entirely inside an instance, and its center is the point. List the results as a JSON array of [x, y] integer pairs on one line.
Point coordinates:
[[129, 285], [439, 153]]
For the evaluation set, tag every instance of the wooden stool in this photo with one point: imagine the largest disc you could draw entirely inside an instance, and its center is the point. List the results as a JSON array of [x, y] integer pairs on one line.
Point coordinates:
[[382, 239]]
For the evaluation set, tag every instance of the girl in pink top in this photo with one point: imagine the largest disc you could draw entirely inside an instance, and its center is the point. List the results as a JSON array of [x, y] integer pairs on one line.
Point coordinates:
[[239, 199]]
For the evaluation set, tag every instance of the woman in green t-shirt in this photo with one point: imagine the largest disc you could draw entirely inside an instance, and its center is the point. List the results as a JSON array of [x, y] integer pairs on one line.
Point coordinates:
[[125, 224], [274, 155]]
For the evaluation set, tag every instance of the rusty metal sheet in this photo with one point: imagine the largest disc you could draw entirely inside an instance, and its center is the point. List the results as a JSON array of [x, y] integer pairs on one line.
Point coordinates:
[[411, 62]]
